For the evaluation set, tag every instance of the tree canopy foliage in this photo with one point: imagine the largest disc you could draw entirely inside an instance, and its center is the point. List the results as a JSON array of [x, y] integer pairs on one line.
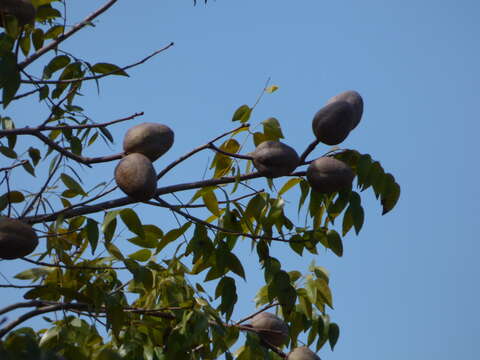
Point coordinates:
[[155, 303]]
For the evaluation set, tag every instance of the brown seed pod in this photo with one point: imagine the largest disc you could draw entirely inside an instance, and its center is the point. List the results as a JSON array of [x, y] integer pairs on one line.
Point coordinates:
[[327, 175], [302, 353], [17, 239], [269, 321], [23, 10], [332, 123], [150, 139], [353, 98], [136, 177], [273, 159]]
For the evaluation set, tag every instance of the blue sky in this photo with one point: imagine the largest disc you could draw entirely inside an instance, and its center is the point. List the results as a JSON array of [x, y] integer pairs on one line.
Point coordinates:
[[407, 286]]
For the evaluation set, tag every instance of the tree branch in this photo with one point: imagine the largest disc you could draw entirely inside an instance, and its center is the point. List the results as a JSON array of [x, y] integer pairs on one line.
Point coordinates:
[[66, 35], [44, 307], [33, 303], [81, 159], [88, 209]]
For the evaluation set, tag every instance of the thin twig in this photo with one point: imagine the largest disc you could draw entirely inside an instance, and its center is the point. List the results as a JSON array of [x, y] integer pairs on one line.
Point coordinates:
[[192, 206], [42, 190], [34, 130], [194, 151], [261, 94], [238, 156], [163, 203], [24, 94], [74, 267], [18, 286], [83, 203], [66, 35], [256, 313], [23, 162], [33, 313], [96, 77]]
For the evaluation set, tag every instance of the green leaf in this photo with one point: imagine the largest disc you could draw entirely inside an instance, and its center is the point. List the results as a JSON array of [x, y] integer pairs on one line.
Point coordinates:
[[283, 290], [25, 44], [271, 89], [57, 63], [347, 220], [227, 289], [174, 234], [211, 202], [141, 255], [107, 134], [147, 241], [106, 68], [297, 245], [8, 152], [9, 77], [33, 274], [358, 218], [112, 249], [335, 242], [305, 189], [336, 207], [12, 27], [29, 168], [390, 194], [272, 129], [364, 165], [92, 234], [46, 12], [242, 114], [109, 224], [37, 38], [34, 155], [223, 163], [132, 221], [324, 291], [72, 184], [255, 207], [333, 334], [54, 32], [14, 196], [235, 265], [43, 93], [288, 185]]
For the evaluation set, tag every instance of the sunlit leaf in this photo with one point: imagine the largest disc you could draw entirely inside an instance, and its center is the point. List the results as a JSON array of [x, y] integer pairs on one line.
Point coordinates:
[[242, 114], [106, 68]]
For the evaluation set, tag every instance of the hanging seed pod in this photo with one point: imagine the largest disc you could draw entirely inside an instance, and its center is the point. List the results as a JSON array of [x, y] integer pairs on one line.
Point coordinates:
[[327, 175], [136, 177], [353, 98], [274, 159], [150, 139], [17, 239]]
